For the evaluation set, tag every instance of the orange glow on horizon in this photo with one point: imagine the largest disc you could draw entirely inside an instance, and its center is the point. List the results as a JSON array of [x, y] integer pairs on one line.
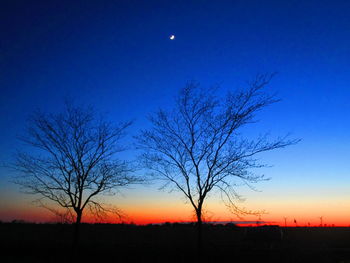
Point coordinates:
[[143, 218], [168, 209]]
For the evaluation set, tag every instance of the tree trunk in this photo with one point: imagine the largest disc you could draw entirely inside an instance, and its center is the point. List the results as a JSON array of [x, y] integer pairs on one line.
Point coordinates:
[[199, 235], [76, 237]]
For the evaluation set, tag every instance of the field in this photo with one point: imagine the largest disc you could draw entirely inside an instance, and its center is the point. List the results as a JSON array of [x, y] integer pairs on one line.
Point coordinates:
[[173, 243]]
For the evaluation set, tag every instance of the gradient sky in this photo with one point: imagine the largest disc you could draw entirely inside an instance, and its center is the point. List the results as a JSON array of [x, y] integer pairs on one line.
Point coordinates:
[[117, 56]]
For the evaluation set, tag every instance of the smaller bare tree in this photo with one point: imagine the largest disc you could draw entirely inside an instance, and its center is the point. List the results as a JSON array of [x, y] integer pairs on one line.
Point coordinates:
[[73, 162]]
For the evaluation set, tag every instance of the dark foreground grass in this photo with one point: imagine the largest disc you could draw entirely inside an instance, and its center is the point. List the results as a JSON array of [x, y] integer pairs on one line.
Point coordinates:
[[172, 243]]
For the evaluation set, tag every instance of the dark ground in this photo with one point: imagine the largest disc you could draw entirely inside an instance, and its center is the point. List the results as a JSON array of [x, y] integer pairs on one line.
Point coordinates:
[[173, 243]]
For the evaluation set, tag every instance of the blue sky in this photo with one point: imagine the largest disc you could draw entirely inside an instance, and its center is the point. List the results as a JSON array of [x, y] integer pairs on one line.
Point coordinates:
[[117, 56]]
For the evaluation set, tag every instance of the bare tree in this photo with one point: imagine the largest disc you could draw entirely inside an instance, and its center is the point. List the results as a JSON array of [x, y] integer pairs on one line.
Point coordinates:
[[198, 146], [72, 162]]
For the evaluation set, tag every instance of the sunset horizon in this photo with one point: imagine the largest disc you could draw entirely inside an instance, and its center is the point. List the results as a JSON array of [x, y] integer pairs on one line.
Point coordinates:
[[180, 113]]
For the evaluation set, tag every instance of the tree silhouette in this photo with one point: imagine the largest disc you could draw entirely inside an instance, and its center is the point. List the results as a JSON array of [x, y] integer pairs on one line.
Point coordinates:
[[198, 146], [72, 162]]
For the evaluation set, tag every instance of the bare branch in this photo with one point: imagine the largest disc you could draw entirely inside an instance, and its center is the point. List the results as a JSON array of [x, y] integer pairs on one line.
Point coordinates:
[[198, 146], [73, 159]]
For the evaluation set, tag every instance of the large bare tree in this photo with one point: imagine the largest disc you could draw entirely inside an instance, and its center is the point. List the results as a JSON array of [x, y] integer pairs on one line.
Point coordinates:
[[72, 161], [200, 145]]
